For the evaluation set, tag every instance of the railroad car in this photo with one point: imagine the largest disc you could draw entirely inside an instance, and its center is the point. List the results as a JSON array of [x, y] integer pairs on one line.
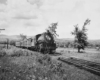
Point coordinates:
[[18, 44]]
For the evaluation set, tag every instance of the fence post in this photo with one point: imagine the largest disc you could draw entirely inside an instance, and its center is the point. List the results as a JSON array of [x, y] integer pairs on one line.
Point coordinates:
[[7, 43]]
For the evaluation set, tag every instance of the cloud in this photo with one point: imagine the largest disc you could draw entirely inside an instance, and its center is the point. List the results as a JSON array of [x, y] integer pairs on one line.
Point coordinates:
[[2, 7], [3, 1], [25, 17], [4, 25], [33, 16], [19, 16], [37, 2], [69, 13]]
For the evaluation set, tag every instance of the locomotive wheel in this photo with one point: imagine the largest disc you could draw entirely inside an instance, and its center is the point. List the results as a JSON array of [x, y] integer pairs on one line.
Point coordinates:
[[46, 50], [50, 51], [36, 48]]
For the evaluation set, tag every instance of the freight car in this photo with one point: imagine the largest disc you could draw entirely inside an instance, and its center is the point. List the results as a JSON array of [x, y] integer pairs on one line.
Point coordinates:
[[44, 43], [26, 43]]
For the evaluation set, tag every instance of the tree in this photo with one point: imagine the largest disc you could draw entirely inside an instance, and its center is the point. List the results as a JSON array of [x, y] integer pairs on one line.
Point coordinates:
[[52, 29], [23, 37], [80, 36]]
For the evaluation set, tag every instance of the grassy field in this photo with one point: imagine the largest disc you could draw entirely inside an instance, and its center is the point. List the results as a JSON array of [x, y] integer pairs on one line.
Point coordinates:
[[20, 64], [87, 54]]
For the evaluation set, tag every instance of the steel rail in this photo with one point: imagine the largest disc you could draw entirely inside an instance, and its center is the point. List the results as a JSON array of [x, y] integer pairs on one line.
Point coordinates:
[[78, 63]]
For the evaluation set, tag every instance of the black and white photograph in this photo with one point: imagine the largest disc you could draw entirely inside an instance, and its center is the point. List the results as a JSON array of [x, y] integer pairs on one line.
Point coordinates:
[[49, 39]]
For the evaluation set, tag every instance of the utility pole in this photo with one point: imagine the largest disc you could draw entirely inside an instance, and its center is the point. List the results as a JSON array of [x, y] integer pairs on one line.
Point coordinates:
[[7, 43], [1, 30]]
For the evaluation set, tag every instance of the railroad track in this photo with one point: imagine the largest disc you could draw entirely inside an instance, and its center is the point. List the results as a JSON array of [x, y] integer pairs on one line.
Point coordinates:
[[83, 64]]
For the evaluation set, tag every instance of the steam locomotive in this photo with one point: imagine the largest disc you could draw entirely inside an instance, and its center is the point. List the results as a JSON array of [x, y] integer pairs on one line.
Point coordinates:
[[44, 43]]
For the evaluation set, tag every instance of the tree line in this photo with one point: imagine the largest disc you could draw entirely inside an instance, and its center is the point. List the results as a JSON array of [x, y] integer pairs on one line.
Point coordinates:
[[80, 36]]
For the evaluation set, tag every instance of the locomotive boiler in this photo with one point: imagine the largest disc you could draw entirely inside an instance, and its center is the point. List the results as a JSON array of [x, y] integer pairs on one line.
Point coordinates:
[[45, 42]]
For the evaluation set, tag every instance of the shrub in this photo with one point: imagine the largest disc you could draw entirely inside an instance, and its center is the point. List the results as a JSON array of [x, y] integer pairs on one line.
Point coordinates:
[[17, 53], [50, 69], [45, 60], [2, 53]]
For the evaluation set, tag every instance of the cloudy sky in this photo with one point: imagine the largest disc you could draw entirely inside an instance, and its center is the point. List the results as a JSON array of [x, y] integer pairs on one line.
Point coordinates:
[[31, 17]]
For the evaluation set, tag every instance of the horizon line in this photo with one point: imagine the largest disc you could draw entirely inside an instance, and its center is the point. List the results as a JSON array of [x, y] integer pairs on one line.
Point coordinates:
[[57, 37]]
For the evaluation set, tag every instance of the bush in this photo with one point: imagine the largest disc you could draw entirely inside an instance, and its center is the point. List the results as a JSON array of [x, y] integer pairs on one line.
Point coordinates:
[[50, 69], [17, 53], [2, 53], [44, 60]]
